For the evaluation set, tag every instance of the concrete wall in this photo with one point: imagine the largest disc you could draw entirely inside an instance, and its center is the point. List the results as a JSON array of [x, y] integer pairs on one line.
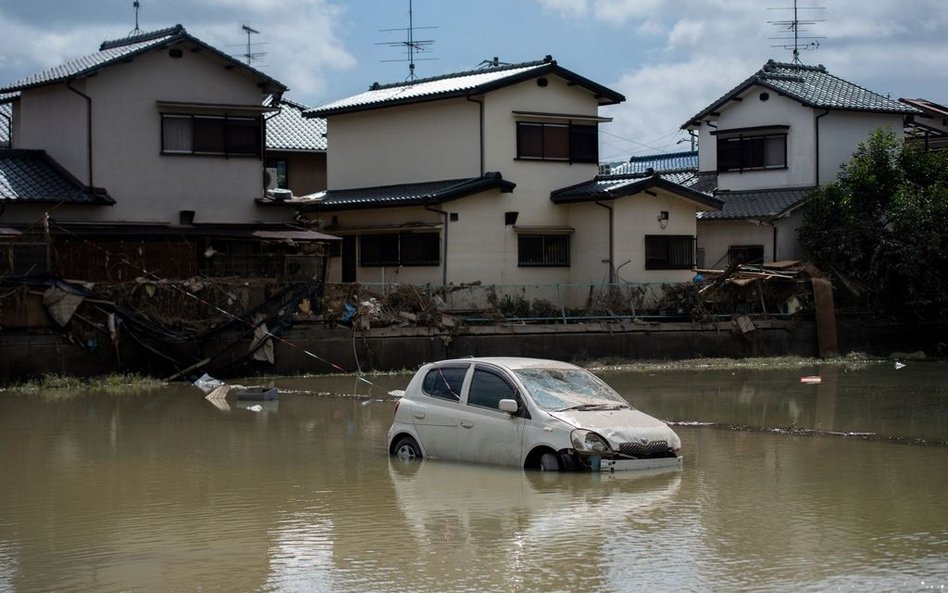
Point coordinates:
[[29, 355]]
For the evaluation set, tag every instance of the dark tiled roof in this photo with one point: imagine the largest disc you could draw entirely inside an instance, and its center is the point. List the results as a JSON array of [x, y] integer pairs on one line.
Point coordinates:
[[767, 203], [289, 130], [389, 196], [460, 84], [673, 161], [812, 86], [688, 184], [32, 176], [112, 52]]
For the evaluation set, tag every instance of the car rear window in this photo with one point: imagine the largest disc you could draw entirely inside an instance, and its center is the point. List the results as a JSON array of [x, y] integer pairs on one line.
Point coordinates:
[[444, 383]]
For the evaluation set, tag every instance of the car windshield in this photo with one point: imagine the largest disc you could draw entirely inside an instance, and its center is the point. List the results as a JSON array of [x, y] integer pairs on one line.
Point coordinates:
[[559, 389]]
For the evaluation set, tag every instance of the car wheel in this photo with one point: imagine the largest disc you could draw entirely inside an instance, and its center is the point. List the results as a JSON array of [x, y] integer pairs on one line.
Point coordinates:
[[549, 463], [406, 449]]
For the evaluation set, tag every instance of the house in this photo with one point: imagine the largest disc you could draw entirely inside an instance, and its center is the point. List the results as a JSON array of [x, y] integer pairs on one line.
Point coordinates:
[[490, 176], [296, 149], [151, 149], [770, 141], [929, 127]]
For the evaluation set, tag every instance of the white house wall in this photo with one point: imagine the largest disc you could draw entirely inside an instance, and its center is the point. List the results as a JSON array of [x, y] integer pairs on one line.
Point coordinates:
[[54, 119], [716, 237], [751, 112], [408, 144], [146, 185], [637, 216], [535, 179], [841, 132]]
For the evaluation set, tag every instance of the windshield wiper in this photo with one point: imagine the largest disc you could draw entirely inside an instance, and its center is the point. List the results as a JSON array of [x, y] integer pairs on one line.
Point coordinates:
[[599, 406]]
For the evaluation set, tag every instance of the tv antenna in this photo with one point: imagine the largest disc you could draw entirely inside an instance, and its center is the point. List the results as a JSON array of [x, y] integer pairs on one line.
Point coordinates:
[[797, 26], [137, 6], [250, 55], [412, 46]]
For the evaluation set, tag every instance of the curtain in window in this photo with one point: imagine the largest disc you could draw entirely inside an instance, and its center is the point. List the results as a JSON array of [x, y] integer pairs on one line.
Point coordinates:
[[176, 132]]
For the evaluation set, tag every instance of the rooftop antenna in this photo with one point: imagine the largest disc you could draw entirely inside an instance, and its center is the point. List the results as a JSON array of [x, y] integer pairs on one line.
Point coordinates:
[[137, 6], [412, 46], [250, 55], [797, 26]]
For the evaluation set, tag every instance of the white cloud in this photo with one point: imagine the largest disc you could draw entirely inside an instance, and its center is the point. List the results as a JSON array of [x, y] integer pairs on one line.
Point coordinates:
[[709, 46], [301, 36]]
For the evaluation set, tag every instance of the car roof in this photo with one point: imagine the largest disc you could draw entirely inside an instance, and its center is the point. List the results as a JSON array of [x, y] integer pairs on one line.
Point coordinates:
[[511, 362]]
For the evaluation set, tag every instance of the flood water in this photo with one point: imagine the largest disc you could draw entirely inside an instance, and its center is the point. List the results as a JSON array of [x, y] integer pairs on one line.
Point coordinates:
[[786, 486]]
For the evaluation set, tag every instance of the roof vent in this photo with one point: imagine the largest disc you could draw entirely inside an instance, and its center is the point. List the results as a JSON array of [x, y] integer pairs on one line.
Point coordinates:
[[542, 82], [175, 53]]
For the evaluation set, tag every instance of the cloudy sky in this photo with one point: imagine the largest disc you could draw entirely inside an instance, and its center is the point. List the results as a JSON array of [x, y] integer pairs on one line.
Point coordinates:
[[670, 58]]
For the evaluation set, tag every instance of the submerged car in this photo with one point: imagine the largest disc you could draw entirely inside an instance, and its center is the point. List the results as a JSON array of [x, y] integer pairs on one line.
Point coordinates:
[[526, 412]]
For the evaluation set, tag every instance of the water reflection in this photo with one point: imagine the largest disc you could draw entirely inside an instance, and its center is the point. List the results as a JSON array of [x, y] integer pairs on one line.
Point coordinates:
[[165, 492]]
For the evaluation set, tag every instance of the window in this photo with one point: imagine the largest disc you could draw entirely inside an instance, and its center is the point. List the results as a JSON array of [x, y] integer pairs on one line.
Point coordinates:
[[445, 383], [278, 174], [543, 251], [669, 252], [404, 249], [745, 254], [557, 142], [749, 151], [224, 135], [487, 389]]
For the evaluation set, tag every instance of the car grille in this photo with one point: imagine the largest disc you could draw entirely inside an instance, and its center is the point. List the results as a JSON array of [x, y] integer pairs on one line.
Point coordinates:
[[647, 450]]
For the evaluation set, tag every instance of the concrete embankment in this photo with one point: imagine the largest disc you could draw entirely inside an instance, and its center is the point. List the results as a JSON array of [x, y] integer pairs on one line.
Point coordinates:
[[313, 348]]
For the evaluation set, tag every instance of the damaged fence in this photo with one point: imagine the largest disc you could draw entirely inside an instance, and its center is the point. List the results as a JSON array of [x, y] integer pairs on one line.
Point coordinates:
[[777, 290]]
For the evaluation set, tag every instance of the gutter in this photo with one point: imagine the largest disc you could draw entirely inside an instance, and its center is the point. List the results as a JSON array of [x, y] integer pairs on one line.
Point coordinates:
[[611, 260], [480, 111], [88, 128], [444, 247], [817, 151]]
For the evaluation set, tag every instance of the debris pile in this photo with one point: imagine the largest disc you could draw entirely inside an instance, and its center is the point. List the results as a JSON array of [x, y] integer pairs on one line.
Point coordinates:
[[402, 306], [778, 288]]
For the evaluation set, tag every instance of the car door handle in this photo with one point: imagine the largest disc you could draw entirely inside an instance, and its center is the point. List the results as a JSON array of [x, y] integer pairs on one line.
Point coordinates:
[[467, 424], [418, 414]]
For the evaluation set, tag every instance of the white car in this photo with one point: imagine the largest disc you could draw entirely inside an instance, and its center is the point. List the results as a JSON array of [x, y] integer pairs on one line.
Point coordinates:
[[526, 412]]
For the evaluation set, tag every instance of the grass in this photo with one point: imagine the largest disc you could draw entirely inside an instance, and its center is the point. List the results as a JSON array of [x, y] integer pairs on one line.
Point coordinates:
[[116, 383]]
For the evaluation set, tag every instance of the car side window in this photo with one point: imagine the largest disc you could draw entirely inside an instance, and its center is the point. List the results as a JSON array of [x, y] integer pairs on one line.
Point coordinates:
[[487, 389], [444, 383]]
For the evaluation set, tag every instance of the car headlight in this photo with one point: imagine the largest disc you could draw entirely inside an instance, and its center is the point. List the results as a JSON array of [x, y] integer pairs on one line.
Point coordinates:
[[586, 441]]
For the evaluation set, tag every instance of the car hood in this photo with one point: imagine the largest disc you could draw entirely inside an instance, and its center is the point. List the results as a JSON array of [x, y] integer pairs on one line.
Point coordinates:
[[620, 426]]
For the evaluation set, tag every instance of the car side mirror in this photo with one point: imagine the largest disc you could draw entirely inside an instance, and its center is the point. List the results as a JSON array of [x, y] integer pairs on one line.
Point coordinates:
[[508, 405]]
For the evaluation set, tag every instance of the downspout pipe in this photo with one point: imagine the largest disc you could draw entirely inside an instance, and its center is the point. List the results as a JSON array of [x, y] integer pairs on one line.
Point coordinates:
[[480, 111], [9, 128], [88, 128], [444, 246], [612, 269], [817, 152]]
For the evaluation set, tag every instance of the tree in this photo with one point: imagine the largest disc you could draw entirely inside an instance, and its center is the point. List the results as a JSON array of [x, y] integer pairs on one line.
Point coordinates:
[[884, 224]]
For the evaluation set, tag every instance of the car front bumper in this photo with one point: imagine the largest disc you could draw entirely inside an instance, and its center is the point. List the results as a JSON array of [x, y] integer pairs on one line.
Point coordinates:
[[614, 465]]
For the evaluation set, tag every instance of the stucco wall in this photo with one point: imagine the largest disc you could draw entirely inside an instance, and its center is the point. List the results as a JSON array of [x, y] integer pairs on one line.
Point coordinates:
[[717, 236], [307, 170], [146, 185], [54, 119], [841, 132], [752, 112], [422, 142]]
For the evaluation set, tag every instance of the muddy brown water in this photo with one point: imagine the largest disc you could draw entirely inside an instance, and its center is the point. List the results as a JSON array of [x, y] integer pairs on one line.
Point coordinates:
[[786, 486]]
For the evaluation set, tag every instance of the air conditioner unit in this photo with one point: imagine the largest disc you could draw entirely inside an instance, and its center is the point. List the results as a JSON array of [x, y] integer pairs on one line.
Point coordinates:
[[272, 178]]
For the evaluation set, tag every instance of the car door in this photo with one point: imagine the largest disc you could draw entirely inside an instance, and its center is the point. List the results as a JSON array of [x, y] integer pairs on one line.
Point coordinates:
[[486, 434], [435, 412]]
